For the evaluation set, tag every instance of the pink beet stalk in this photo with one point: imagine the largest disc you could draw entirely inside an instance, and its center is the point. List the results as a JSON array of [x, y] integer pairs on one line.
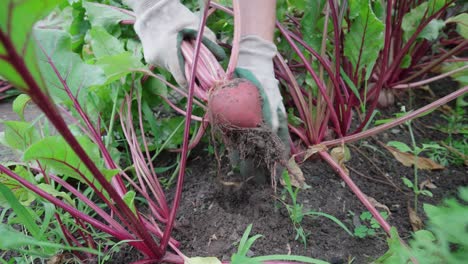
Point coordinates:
[[185, 144], [361, 196], [235, 42]]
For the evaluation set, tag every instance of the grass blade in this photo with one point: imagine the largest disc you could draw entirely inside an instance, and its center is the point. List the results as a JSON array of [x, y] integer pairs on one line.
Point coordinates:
[[331, 217]]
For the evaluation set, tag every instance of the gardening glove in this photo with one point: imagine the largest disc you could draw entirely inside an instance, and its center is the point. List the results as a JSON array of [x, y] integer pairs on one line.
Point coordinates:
[[162, 25], [255, 63]]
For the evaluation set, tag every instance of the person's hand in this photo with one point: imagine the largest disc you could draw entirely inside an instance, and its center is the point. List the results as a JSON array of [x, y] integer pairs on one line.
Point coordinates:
[[256, 64], [161, 26]]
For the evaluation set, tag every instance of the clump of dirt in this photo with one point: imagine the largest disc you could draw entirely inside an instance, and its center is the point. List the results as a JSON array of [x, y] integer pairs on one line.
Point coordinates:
[[260, 145]]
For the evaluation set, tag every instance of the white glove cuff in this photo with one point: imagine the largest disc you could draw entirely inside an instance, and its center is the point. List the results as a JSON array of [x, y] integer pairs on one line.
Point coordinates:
[[140, 6], [256, 55]]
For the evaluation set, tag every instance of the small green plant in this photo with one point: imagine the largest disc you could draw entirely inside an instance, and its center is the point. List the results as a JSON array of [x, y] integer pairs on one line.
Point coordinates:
[[246, 243], [451, 152], [297, 214], [370, 226], [39, 238], [445, 240], [416, 151], [456, 119], [455, 150]]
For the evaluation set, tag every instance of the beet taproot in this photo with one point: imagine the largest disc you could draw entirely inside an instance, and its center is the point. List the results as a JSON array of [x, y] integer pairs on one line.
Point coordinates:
[[236, 103]]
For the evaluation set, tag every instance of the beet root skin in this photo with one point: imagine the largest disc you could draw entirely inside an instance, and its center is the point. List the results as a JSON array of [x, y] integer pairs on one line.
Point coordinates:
[[236, 103]]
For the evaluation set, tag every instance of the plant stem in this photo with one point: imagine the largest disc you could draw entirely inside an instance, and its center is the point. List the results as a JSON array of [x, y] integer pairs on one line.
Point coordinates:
[[112, 120], [423, 82], [433, 64], [355, 189], [397, 121], [185, 144], [235, 42], [415, 171]]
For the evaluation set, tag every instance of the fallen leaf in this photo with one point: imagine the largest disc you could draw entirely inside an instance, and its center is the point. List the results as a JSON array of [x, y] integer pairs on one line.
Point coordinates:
[[376, 204], [288, 248], [408, 159], [447, 110], [200, 260], [428, 89], [312, 150], [341, 155], [57, 259], [295, 174], [415, 221], [427, 184]]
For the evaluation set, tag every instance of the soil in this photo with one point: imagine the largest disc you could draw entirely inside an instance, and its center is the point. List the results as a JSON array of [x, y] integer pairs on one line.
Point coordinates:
[[212, 216]]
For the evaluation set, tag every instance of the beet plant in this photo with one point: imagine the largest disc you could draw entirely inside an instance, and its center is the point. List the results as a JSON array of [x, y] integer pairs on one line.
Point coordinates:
[[343, 65], [78, 151]]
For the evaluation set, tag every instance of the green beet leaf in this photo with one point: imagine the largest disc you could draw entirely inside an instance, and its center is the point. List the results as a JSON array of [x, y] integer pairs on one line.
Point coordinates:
[[413, 19], [59, 158], [106, 16], [19, 135], [366, 37], [17, 18], [62, 68]]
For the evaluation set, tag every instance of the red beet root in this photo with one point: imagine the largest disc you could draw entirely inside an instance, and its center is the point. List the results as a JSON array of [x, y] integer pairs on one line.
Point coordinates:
[[236, 103]]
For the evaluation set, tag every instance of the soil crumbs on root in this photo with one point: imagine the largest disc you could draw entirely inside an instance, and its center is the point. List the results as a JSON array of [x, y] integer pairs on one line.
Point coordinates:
[[260, 144]]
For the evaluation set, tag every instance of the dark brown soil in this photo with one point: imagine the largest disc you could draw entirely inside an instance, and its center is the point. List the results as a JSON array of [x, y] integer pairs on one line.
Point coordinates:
[[212, 217]]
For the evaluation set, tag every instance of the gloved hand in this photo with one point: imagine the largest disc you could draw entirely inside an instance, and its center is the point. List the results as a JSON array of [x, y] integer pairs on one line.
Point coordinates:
[[255, 63], [161, 26]]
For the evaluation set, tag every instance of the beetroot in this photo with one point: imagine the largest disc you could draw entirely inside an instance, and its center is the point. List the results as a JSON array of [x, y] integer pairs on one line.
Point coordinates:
[[236, 103]]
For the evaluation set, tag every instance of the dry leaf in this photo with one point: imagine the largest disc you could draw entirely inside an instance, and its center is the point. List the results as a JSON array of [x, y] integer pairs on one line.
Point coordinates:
[[376, 204], [428, 89], [408, 159], [446, 109], [295, 174], [57, 259], [427, 184], [312, 150], [340, 156], [415, 221]]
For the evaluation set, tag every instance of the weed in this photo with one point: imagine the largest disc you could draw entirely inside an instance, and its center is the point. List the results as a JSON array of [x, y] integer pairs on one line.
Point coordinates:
[[370, 226], [297, 214], [454, 149], [246, 242], [445, 240], [416, 151]]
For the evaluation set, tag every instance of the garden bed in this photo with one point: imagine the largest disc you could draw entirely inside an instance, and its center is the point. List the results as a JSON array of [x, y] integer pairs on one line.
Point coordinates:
[[213, 217]]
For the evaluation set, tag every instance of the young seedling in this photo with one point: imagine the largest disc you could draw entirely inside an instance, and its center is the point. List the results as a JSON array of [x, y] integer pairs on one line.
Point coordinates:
[[297, 214], [370, 227], [441, 242], [246, 243], [416, 151]]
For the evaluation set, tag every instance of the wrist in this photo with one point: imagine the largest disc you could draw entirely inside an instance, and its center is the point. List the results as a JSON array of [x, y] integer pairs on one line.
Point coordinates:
[[142, 6], [256, 54]]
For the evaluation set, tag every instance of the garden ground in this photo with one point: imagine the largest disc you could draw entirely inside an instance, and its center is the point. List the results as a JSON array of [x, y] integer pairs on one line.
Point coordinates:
[[212, 216]]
